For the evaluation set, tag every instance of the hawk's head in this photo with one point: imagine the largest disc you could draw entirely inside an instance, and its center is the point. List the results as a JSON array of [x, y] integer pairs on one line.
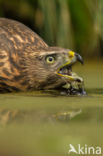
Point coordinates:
[[51, 67]]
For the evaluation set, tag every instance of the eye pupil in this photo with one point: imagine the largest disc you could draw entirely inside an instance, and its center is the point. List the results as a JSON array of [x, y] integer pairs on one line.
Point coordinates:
[[50, 59]]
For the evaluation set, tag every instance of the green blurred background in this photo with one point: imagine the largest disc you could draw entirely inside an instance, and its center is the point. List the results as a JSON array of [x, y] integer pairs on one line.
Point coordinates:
[[35, 124], [74, 24]]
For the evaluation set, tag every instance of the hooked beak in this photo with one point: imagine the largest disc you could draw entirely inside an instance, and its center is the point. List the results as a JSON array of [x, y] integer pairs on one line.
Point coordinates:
[[75, 57], [79, 58]]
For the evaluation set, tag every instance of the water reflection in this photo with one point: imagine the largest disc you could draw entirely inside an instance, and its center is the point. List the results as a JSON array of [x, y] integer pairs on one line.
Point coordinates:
[[8, 116]]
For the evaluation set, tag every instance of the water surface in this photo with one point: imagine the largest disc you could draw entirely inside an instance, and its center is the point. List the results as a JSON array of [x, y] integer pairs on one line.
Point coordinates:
[[35, 124]]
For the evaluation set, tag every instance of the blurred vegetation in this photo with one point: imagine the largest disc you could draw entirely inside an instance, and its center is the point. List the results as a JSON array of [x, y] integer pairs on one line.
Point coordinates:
[[74, 24]]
